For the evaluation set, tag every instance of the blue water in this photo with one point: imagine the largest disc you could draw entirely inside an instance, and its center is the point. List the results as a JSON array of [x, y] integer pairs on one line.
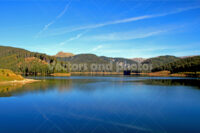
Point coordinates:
[[84, 104]]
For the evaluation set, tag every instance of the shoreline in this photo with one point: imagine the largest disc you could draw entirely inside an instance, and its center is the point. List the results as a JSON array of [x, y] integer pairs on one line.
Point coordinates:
[[61, 74], [25, 81], [151, 74], [96, 73], [167, 74]]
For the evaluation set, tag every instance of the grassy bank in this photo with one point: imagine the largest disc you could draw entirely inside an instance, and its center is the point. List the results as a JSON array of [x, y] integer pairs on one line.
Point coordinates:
[[8, 75]]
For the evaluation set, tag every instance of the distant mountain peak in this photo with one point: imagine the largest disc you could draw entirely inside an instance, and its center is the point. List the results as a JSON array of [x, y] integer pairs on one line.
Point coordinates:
[[138, 59], [63, 54]]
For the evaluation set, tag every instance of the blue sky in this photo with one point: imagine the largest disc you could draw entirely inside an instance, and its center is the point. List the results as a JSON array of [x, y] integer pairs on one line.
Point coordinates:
[[116, 28]]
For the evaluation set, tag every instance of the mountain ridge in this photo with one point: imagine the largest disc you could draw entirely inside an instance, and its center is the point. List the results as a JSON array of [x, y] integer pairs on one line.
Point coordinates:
[[26, 62], [64, 54]]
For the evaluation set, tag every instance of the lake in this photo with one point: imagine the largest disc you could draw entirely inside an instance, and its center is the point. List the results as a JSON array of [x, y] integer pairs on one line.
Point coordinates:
[[98, 104]]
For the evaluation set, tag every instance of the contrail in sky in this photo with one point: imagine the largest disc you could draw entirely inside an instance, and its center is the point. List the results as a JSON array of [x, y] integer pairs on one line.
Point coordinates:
[[53, 21], [64, 30]]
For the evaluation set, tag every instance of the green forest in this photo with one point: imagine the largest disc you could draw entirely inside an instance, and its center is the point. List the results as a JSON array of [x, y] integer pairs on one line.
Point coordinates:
[[189, 64], [24, 62], [29, 63]]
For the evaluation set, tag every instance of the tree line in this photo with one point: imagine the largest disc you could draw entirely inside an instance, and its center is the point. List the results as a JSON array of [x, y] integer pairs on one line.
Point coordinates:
[[189, 64], [30, 63]]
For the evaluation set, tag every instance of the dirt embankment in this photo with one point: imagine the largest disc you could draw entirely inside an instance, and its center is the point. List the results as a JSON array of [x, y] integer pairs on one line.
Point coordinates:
[[9, 77]]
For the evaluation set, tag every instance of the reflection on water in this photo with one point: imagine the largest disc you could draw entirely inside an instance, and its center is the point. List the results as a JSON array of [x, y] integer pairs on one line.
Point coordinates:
[[101, 104], [172, 82], [44, 85], [66, 84], [7, 90]]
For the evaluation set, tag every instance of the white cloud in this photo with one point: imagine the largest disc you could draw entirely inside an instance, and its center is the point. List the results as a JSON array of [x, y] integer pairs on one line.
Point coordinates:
[[97, 48], [127, 20], [76, 37], [148, 50], [130, 35], [71, 39]]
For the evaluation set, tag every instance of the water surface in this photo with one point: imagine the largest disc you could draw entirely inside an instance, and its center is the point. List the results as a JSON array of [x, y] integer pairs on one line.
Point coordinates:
[[82, 104]]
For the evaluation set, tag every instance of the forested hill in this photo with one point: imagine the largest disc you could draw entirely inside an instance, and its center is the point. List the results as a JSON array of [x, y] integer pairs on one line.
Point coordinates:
[[22, 53], [161, 60], [118, 60], [189, 64], [83, 58], [91, 58], [23, 61], [32, 63]]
